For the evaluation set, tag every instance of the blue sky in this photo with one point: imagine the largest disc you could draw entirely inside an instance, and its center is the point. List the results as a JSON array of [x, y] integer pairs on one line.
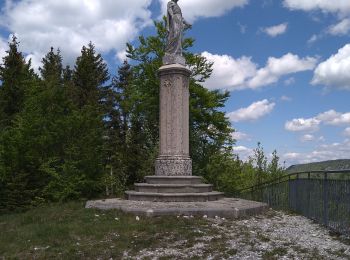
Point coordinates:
[[285, 62]]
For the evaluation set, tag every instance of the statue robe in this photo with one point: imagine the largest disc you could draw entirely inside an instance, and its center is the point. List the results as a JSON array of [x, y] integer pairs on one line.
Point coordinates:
[[175, 26]]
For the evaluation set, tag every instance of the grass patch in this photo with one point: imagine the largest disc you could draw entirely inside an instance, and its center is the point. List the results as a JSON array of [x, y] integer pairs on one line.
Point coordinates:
[[276, 253], [70, 231]]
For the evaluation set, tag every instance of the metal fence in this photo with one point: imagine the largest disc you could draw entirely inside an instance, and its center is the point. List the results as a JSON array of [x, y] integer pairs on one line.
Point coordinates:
[[323, 196]]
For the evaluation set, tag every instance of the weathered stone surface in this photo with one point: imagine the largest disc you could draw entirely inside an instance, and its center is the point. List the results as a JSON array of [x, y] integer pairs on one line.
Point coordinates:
[[173, 166], [228, 207], [173, 188], [173, 59], [175, 197], [174, 157], [184, 180]]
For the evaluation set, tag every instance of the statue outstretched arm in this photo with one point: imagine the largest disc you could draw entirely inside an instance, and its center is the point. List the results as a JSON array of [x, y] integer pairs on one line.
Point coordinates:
[[187, 25]]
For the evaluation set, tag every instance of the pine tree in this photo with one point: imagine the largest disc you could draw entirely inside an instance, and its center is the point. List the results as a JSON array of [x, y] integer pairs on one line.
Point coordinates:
[[35, 143], [90, 73], [51, 69], [15, 75], [85, 150]]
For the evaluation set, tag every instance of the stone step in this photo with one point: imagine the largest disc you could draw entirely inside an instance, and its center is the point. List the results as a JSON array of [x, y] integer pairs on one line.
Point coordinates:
[[174, 179], [173, 188], [174, 197]]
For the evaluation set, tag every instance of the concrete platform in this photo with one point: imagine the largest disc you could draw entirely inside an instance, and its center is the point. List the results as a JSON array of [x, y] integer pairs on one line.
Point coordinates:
[[227, 207]]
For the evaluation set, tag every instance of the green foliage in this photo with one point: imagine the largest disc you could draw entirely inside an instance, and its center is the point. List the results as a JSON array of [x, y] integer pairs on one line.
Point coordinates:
[[89, 75], [54, 149], [15, 75]]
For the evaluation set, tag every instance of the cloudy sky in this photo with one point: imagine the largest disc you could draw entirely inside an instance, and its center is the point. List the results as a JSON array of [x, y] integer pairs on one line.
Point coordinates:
[[285, 62]]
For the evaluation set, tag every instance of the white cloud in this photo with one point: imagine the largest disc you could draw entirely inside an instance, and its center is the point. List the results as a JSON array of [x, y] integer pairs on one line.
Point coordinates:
[[278, 67], [3, 48], [323, 152], [195, 9], [341, 7], [240, 136], [334, 72], [243, 152], [330, 117], [347, 132], [335, 118], [242, 28], [121, 55], [291, 156], [341, 28], [289, 81], [236, 74], [253, 112], [70, 24], [304, 125], [314, 38], [35, 59], [286, 98], [228, 72], [307, 138], [276, 30]]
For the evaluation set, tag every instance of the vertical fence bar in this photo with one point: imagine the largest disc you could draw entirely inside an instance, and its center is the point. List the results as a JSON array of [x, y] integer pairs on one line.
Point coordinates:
[[325, 199], [297, 203], [308, 210], [289, 193]]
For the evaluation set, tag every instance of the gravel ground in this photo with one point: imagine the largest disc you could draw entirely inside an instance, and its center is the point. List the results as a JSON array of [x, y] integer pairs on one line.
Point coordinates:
[[274, 235]]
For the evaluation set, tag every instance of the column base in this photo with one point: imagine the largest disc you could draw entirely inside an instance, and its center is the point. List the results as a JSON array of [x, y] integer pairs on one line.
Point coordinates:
[[172, 166]]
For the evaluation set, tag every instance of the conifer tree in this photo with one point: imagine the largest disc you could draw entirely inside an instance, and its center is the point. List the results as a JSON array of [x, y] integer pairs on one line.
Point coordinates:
[[90, 73], [15, 76], [51, 69], [86, 147]]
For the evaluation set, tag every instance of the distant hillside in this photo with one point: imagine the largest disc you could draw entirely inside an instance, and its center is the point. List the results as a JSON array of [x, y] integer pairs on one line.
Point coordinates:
[[320, 166]]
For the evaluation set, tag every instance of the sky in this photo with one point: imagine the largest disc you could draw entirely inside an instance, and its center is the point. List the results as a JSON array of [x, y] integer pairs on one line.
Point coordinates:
[[286, 63]]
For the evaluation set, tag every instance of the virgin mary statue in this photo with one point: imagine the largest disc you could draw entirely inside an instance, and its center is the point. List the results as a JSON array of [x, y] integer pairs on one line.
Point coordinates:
[[175, 27]]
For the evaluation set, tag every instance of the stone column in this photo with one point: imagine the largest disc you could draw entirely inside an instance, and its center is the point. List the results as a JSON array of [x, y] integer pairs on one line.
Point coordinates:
[[174, 159]]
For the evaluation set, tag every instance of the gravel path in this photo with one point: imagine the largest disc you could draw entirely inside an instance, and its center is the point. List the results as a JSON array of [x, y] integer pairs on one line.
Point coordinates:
[[275, 235]]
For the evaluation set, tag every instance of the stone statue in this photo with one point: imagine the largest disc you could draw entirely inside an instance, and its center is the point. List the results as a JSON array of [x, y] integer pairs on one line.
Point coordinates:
[[175, 27]]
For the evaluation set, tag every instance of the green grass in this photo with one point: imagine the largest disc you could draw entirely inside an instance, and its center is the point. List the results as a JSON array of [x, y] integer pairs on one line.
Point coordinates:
[[70, 231]]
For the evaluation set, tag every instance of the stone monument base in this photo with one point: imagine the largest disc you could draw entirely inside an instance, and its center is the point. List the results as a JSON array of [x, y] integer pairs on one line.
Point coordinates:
[[173, 189], [227, 207], [173, 166]]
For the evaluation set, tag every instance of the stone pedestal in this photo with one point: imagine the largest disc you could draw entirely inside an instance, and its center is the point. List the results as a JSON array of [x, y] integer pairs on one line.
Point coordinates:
[[174, 159], [173, 180]]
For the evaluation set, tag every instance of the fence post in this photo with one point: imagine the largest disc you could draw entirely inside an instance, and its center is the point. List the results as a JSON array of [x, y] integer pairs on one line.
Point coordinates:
[[289, 194], [325, 199], [308, 195], [297, 203]]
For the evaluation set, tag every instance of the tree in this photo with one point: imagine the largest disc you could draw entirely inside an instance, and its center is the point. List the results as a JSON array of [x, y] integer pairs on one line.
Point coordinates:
[[52, 68], [90, 73], [210, 130], [260, 161], [16, 75], [34, 139], [274, 169]]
